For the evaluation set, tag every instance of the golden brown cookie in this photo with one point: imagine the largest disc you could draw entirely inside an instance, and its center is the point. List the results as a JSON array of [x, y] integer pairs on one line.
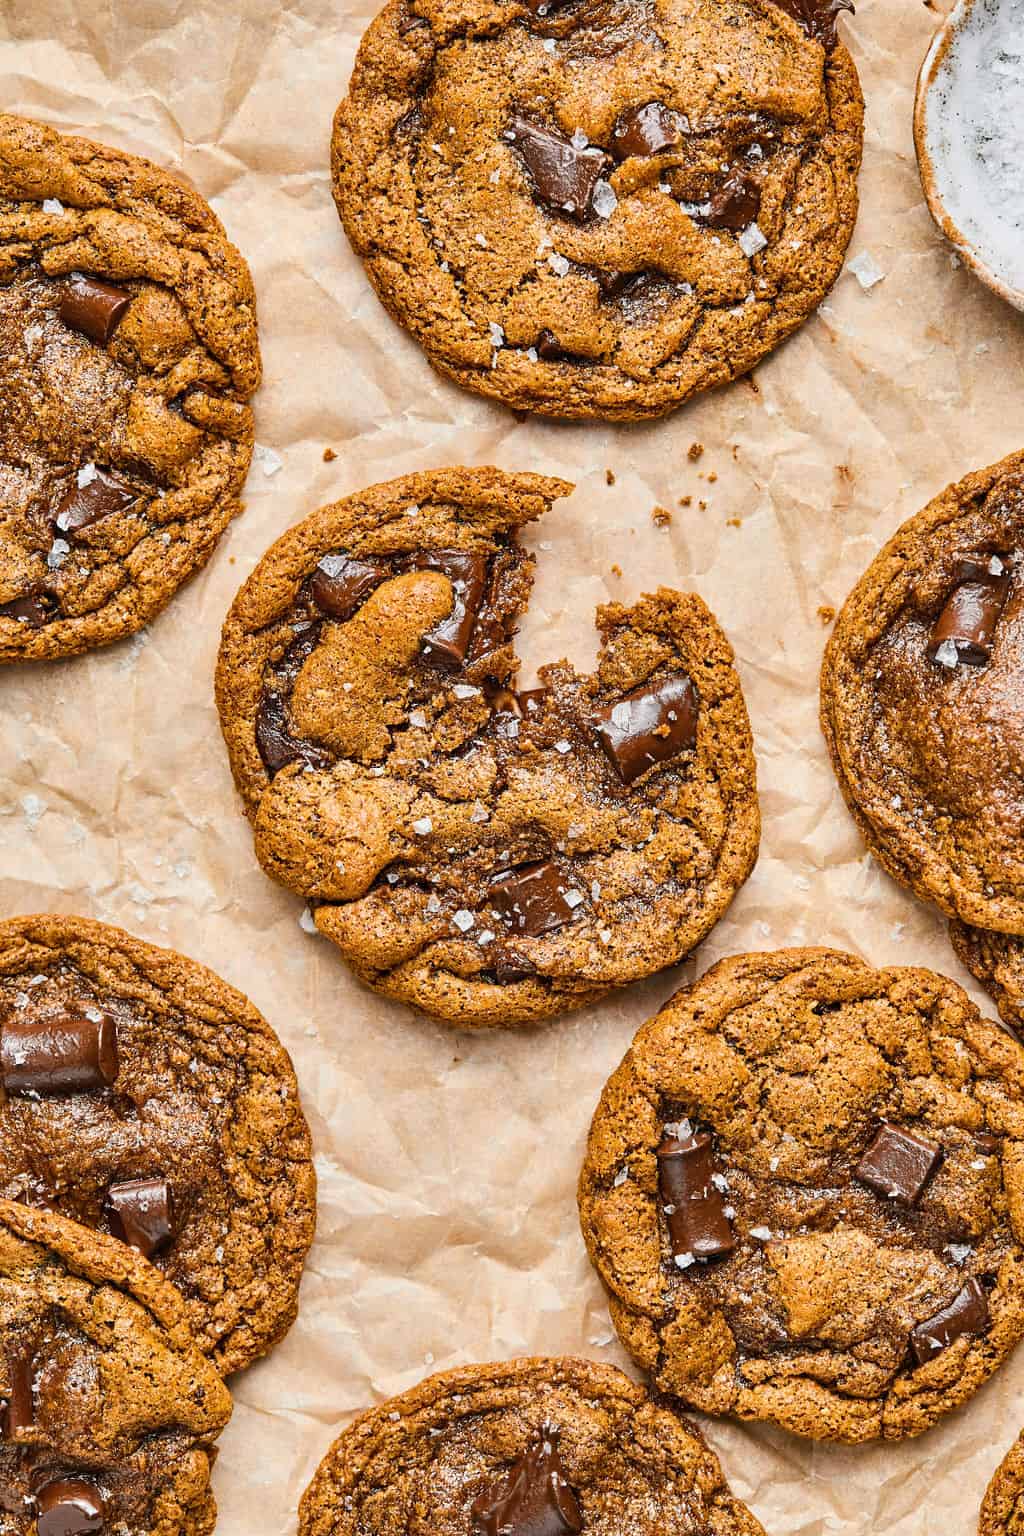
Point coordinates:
[[491, 857], [537, 1447], [144, 1097], [129, 348], [803, 1189], [922, 700], [997, 960], [1002, 1512], [107, 1410], [598, 207]]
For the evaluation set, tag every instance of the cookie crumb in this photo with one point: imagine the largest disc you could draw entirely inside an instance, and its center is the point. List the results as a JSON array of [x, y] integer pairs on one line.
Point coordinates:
[[661, 517], [609, 478], [734, 522], [329, 455], [617, 571], [712, 476], [826, 613], [696, 449], [686, 501]]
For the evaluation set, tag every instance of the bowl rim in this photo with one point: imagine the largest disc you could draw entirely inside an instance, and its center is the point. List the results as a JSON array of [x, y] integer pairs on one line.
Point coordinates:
[[931, 64]]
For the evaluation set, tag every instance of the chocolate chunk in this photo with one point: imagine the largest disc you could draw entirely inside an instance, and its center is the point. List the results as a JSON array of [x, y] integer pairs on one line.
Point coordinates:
[[646, 130], [648, 726], [548, 347], [817, 17], [101, 496], [698, 1227], [339, 584], [966, 627], [512, 968], [614, 284], [449, 641], [69, 1507], [531, 899], [93, 307], [966, 1313], [141, 1213], [564, 176], [737, 202], [32, 609], [986, 1143], [19, 1412], [897, 1165], [64, 1055], [531, 702], [532, 1498], [274, 741]]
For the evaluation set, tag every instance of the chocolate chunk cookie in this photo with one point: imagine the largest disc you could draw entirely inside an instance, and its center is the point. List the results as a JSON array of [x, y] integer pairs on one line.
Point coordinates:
[[600, 207], [804, 1189], [107, 1409], [144, 1097], [922, 701], [128, 339], [1002, 1513], [527, 1448], [488, 855]]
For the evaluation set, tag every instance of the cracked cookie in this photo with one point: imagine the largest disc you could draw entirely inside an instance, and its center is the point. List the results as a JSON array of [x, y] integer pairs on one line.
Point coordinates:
[[803, 1188], [536, 1447], [997, 961], [144, 1097], [129, 348], [921, 700], [491, 856], [107, 1410], [1002, 1512], [597, 208]]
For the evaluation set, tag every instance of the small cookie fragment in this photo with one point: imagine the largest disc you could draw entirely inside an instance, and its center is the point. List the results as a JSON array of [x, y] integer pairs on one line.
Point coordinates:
[[541, 1447], [1003, 1506], [835, 1252], [110, 1411], [491, 855]]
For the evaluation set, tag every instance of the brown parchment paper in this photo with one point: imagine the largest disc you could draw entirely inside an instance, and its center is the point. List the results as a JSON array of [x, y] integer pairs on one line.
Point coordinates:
[[447, 1164]]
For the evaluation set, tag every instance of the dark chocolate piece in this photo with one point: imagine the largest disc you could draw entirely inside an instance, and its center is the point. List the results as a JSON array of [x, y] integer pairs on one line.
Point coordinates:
[[450, 640], [141, 1214], [83, 505], [966, 1313], [32, 609], [737, 202], [698, 1227], [817, 17], [986, 1143], [968, 621], [531, 702], [564, 176], [19, 1411], [648, 726], [614, 284], [549, 348], [532, 1498], [69, 1507], [93, 307], [531, 899], [65, 1055], [340, 584], [897, 1165], [274, 741], [646, 130]]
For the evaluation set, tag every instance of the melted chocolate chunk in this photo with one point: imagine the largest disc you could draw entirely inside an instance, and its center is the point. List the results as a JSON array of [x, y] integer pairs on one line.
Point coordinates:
[[897, 1165], [101, 496], [647, 130], [58, 1056], [966, 1313], [69, 1507], [532, 1498], [564, 176], [817, 17], [613, 284], [19, 1411], [450, 640], [737, 202], [531, 899], [340, 584], [549, 348], [141, 1214], [698, 1227], [93, 307], [648, 726], [274, 741], [33, 609], [966, 627]]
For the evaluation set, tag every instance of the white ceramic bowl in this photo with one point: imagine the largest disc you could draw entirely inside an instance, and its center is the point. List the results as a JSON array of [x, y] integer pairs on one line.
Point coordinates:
[[969, 135]]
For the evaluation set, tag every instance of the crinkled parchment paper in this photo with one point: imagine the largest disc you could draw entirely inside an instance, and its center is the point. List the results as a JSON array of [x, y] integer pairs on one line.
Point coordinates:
[[447, 1165]]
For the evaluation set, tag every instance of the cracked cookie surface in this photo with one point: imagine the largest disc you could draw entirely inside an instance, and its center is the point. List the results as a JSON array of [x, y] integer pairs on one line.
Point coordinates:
[[491, 857], [129, 353], [144, 1097], [599, 207], [921, 701], [107, 1410], [1002, 1512], [854, 1144], [478, 1449]]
